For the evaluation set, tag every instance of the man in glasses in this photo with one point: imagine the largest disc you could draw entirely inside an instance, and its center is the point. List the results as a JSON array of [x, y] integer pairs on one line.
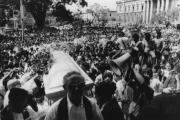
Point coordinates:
[[74, 106]]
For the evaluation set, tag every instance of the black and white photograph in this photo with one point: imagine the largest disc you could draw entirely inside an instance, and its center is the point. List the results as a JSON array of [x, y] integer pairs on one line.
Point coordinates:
[[89, 59]]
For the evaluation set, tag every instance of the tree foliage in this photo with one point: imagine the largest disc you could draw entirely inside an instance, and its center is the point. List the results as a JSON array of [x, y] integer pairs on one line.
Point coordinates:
[[100, 13], [61, 12], [15, 4], [83, 3], [37, 8]]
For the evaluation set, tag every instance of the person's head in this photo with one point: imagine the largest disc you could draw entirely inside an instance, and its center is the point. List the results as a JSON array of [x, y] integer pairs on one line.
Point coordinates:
[[104, 91], [107, 76], [147, 36], [18, 99], [135, 37], [74, 84], [168, 66], [102, 66]]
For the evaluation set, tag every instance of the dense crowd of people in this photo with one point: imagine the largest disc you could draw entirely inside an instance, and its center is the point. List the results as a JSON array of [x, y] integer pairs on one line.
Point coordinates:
[[131, 67]]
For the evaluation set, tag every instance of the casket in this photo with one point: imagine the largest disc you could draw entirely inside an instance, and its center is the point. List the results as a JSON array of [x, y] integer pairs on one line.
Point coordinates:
[[53, 82]]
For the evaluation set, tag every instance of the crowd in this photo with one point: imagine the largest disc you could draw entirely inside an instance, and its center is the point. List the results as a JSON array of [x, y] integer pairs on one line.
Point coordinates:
[[131, 67]]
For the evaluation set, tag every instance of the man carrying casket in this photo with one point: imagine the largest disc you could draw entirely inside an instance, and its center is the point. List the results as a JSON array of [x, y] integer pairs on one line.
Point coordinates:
[[74, 106]]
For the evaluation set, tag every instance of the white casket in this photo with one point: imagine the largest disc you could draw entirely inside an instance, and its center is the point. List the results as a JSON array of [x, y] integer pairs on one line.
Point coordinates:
[[53, 82]]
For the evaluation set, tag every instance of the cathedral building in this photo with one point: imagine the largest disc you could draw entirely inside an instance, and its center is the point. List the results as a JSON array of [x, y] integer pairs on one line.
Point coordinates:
[[141, 11]]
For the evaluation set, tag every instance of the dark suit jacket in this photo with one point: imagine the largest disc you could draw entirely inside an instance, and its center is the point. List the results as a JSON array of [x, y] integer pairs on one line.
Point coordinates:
[[112, 111], [163, 107]]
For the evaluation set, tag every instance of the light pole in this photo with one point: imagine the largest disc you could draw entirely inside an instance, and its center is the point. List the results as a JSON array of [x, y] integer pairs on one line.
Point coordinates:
[[22, 18], [179, 12], [124, 12]]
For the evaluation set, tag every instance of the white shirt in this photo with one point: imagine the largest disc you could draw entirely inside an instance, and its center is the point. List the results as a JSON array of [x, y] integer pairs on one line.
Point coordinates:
[[120, 85], [6, 99], [156, 85], [166, 73], [18, 116], [52, 113], [98, 78], [74, 112]]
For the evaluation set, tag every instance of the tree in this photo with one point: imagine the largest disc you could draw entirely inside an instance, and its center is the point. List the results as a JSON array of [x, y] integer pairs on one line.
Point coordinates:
[[15, 4], [4, 16], [37, 8], [62, 14], [83, 3], [100, 14]]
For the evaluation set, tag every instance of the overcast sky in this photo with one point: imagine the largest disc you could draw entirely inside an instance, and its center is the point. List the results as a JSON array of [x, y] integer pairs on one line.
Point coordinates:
[[109, 3]]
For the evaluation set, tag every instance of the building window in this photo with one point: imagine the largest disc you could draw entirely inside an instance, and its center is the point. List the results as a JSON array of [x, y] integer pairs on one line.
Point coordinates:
[[137, 7], [129, 8], [120, 8], [133, 7], [142, 7]]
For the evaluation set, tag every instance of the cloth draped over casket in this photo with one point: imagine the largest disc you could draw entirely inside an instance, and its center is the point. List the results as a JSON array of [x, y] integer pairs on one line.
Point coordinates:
[[103, 41], [53, 82], [80, 41]]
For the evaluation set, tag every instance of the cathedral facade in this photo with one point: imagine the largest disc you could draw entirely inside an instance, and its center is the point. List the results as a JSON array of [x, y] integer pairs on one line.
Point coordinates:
[[141, 11]]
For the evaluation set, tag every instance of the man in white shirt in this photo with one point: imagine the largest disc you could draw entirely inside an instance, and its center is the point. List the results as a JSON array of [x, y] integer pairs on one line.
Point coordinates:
[[74, 106]]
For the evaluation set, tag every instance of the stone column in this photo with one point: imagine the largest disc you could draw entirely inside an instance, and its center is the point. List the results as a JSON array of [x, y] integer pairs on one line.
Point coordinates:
[[125, 18], [131, 16], [144, 12], [151, 10], [162, 5], [147, 12], [158, 6], [167, 5]]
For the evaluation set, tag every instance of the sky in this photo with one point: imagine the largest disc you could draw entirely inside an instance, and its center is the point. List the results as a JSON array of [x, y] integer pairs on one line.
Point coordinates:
[[111, 4]]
